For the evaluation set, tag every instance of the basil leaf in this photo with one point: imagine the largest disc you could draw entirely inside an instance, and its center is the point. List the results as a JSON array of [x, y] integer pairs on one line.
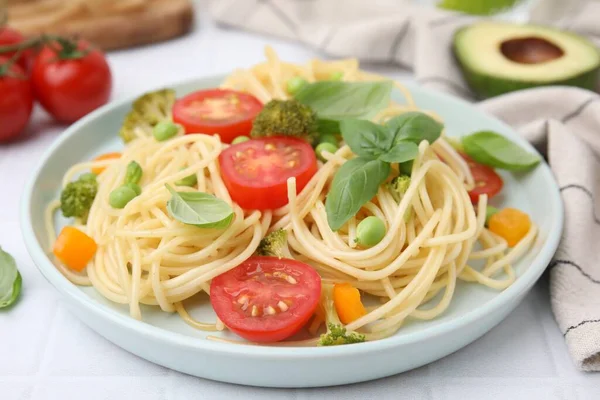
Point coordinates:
[[493, 149], [199, 209], [401, 152], [414, 127], [328, 126], [339, 100], [406, 167], [365, 138], [10, 280], [354, 184]]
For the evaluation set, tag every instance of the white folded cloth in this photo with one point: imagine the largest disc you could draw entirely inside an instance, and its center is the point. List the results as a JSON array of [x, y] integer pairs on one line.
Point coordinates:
[[562, 122]]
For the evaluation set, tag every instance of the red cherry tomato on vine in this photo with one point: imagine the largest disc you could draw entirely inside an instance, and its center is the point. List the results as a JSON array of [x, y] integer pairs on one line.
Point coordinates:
[[71, 79], [8, 37], [16, 100]]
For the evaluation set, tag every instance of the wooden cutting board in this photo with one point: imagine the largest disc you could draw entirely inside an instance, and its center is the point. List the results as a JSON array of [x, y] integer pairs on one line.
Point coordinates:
[[109, 24]]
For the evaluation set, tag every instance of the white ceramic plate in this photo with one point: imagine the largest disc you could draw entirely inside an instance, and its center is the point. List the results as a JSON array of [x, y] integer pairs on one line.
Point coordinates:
[[166, 340]]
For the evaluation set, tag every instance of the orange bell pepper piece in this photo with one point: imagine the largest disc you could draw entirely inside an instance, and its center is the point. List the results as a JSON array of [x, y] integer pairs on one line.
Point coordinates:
[[107, 156], [74, 248], [510, 224], [348, 306]]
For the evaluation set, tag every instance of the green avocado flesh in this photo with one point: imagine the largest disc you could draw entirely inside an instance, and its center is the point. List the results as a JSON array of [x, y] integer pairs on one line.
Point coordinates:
[[498, 58], [477, 7]]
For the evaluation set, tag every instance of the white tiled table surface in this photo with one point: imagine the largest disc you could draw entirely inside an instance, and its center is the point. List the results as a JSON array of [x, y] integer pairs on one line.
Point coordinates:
[[47, 354]]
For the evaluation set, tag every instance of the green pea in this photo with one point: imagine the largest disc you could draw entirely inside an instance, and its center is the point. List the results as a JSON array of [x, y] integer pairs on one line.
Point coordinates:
[[135, 187], [134, 173], [164, 131], [189, 180], [332, 148], [240, 139], [295, 84], [119, 197], [328, 138], [489, 211], [370, 231], [336, 76]]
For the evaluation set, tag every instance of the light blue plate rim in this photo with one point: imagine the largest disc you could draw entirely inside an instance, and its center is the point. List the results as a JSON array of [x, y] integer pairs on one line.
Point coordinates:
[[72, 293]]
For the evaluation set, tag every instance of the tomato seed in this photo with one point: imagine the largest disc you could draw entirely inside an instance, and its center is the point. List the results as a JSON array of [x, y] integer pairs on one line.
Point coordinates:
[[282, 306], [271, 310]]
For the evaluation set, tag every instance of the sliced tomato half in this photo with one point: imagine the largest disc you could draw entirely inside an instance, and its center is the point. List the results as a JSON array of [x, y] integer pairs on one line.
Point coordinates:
[[256, 171], [487, 181], [226, 112], [266, 299]]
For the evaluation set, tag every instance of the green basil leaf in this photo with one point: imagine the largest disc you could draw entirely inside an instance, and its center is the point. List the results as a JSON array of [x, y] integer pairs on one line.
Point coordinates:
[[414, 127], [199, 209], [134, 172], [401, 152], [328, 126], [10, 280], [493, 149], [365, 138], [354, 184], [338, 100], [406, 167]]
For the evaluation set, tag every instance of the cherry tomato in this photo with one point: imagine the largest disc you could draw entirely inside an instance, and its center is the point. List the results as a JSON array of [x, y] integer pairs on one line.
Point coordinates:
[[226, 112], [487, 181], [70, 84], [16, 100], [256, 171], [8, 37], [266, 299]]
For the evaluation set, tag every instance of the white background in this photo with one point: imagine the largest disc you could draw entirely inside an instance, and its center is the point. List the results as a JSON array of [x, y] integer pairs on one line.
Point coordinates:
[[47, 354]]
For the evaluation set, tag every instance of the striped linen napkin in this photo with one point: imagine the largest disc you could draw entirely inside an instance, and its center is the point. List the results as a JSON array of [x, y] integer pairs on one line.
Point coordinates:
[[562, 122]]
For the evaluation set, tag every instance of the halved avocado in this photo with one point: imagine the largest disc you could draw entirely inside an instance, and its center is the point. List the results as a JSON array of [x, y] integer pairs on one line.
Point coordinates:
[[498, 57]]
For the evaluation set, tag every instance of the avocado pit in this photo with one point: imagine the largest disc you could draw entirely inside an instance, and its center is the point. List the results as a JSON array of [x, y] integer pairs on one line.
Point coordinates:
[[530, 50]]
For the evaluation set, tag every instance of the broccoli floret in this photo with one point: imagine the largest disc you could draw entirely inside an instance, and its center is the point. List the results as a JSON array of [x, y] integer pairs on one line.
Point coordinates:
[[147, 111], [274, 245], [88, 177], [398, 186], [336, 332], [336, 335], [77, 197], [288, 118]]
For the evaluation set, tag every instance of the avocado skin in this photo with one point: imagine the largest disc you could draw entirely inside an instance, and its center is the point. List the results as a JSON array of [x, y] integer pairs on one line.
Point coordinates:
[[485, 86]]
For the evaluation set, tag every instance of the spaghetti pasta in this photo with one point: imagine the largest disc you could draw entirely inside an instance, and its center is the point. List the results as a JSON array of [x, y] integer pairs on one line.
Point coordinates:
[[434, 234]]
